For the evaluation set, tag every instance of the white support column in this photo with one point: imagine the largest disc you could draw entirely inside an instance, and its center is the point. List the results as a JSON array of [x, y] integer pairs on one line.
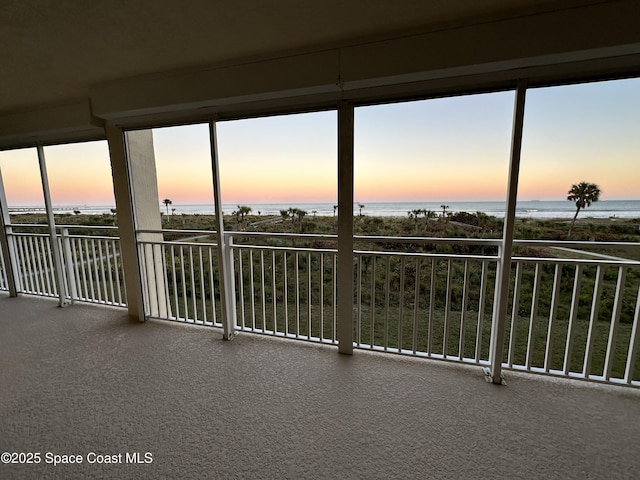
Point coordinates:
[[55, 248], [126, 223], [7, 245], [225, 253], [136, 194], [144, 185], [345, 228], [494, 373]]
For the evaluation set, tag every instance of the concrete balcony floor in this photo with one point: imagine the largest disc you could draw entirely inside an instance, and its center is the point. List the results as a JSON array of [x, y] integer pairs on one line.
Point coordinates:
[[84, 379]]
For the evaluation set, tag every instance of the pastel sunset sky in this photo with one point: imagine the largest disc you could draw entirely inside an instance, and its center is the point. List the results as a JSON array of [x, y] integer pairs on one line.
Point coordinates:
[[435, 150]]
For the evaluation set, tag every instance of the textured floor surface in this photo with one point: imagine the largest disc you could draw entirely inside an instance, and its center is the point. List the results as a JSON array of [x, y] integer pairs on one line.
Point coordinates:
[[83, 380]]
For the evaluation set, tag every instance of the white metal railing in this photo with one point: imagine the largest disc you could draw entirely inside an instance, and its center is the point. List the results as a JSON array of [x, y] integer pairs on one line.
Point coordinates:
[[424, 304], [4, 283], [180, 280], [431, 304], [92, 270], [286, 290], [35, 264], [569, 317], [274, 285], [575, 316]]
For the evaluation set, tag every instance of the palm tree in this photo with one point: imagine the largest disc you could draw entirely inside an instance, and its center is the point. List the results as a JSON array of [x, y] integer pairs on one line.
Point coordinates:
[[360, 207], [242, 212], [300, 214], [414, 215], [583, 194], [335, 207], [428, 214], [167, 202], [444, 211]]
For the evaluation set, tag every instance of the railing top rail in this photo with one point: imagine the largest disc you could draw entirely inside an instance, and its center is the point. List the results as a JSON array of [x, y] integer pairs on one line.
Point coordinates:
[[95, 227], [369, 238], [28, 234], [44, 225], [452, 256], [577, 244], [177, 243], [94, 237], [230, 233], [578, 261], [385, 239], [304, 236], [30, 225], [186, 231], [285, 249], [46, 234]]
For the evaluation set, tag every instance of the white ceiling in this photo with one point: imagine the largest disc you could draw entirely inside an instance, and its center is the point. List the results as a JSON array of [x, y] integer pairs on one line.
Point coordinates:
[[54, 51]]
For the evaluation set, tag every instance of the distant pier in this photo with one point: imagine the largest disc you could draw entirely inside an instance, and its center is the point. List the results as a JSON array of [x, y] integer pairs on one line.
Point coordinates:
[[38, 209], [82, 209]]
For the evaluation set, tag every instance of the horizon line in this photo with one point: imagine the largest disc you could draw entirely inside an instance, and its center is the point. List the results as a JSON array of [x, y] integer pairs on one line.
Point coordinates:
[[112, 205]]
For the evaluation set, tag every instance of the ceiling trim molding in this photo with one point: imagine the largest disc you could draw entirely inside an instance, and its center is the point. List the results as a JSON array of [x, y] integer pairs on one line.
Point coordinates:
[[599, 40]]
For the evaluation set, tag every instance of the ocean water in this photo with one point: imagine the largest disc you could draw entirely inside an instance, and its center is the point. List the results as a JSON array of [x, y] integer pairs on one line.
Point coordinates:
[[529, 209]]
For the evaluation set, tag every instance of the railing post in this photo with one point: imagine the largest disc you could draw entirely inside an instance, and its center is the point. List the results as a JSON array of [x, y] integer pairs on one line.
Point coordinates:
[[55, 249], [503, 273], [225, 252], [7, 244], [68, 260], [230, 284], [615, 320], [345, 228], [633, 343]]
